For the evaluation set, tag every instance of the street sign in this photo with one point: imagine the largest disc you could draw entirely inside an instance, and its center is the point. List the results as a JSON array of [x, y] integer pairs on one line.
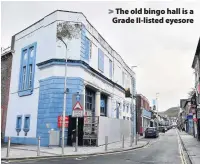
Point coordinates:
[[78, 105], [60, 118]]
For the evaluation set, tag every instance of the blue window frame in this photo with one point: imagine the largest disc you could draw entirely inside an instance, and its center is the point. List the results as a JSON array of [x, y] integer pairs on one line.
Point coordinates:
[[87, 49], [26, 123], [110, 68], [19, 123], [27, 70], [100, 60]]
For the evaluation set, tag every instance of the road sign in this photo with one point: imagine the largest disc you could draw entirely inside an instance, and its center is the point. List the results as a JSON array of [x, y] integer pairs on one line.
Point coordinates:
[[60, 121], [78, 105]]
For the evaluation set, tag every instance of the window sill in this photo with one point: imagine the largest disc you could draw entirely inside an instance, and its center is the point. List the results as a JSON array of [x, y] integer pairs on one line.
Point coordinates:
[[18, 129], [26, 130], [25, 92]]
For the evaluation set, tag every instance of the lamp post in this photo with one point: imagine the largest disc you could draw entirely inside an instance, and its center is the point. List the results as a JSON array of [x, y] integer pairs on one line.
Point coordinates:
[[133, 96], [157, 107], [64, 99]]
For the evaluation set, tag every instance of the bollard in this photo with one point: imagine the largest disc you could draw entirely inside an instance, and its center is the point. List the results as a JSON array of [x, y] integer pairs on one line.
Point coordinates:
[[8, 148], [38, 148], [122, 141], [131, 140], [136, 138], [76, 145], [106, 143]]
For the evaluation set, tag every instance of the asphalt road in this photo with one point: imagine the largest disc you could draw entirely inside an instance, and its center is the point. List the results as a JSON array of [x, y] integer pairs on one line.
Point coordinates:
[[163, 150]]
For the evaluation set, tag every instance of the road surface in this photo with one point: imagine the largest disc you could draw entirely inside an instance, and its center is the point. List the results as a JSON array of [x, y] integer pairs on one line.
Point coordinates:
[[163, 150]]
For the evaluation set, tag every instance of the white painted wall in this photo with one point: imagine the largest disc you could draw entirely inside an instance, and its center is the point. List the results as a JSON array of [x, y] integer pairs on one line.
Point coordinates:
[[114, 129], [22, 106]]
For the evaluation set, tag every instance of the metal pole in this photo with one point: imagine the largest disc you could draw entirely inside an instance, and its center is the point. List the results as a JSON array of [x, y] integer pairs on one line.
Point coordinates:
[[131, 140], [64, 101], [106, 143], [8, 148], [122, 141], [132, 108], [76, 146], [38, 149], [136, 139]]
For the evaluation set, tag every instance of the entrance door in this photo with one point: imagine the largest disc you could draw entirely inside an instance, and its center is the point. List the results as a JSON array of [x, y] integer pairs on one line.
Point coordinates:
[[72, 131]]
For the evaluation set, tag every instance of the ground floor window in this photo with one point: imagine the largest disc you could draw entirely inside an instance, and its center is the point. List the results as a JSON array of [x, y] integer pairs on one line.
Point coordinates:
[[103, 108], [89, 100]]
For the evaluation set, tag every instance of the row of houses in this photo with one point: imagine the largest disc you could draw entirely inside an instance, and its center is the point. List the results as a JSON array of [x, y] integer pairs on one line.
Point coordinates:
[[189, 115]]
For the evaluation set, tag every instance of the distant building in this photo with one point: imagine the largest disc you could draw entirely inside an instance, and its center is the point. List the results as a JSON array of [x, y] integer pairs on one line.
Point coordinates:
[[143, 113], [6, 66], [196, 96]]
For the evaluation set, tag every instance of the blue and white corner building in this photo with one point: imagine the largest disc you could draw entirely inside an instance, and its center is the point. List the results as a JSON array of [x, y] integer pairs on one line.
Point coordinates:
[[37, 78]]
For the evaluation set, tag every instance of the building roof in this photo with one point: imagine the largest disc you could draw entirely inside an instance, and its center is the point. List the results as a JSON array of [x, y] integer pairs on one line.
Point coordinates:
[[197, 54], [6, 51]]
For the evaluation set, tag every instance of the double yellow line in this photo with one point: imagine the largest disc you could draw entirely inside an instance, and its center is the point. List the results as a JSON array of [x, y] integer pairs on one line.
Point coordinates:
[[181, 152]]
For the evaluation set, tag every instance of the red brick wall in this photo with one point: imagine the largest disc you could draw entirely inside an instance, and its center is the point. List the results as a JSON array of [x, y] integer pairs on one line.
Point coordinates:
[[6, 65]]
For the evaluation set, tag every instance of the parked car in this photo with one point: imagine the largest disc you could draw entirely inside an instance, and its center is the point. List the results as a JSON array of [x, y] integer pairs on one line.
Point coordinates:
[[161, 129], [151, 132]]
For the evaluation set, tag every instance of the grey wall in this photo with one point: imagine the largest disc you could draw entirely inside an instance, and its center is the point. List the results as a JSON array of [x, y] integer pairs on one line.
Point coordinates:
[[113, 128]]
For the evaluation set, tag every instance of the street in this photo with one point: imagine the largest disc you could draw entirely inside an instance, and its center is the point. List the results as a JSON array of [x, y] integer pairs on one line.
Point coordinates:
[[163, 150]]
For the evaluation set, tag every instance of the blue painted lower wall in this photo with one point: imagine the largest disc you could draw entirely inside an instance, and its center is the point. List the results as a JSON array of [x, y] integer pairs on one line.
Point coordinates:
[[22, 140], [50, 106], [51, 103]]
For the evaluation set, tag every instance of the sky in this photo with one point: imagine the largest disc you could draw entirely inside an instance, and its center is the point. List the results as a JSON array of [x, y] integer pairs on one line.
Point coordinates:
[[163, 53]]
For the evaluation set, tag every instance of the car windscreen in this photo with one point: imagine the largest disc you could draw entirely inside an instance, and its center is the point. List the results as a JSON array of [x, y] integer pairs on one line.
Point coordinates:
[[151, 129]]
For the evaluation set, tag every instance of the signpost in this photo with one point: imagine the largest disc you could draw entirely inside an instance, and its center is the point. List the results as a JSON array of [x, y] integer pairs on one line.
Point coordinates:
[[77, 112]]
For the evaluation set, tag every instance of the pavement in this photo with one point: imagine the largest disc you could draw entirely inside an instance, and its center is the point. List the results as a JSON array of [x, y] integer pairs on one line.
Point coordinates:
[[162, 150], [191, 146], [28, 151]]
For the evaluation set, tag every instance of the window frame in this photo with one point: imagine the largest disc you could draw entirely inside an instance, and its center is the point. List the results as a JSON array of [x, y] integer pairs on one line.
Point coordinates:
[[26, 129], [100, 60], [24, 88], [110, 69], [18, 129]]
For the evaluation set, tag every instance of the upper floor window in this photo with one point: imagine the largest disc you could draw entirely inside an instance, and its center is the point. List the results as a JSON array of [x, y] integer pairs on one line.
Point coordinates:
[[87, 48], [100, 60], [123, 78], [110, 68], [27, 69]]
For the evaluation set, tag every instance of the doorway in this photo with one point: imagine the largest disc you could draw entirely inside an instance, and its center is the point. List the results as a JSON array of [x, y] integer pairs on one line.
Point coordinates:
[[72, 131]]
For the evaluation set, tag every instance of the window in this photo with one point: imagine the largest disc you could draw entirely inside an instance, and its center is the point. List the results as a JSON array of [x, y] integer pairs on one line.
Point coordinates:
[[103, 105], [89, 99], [19, 122], [100, 60], [127, 108], [110, 69], [27, 70], [87, 48], [26, 123], [123, 78], [124, 107]]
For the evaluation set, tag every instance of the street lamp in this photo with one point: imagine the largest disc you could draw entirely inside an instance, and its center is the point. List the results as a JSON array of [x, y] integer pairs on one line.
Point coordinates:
[[133, 96], [64, 99]]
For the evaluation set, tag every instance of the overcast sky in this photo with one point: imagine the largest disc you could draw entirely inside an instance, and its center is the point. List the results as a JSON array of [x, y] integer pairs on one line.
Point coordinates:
[[162, 52]]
